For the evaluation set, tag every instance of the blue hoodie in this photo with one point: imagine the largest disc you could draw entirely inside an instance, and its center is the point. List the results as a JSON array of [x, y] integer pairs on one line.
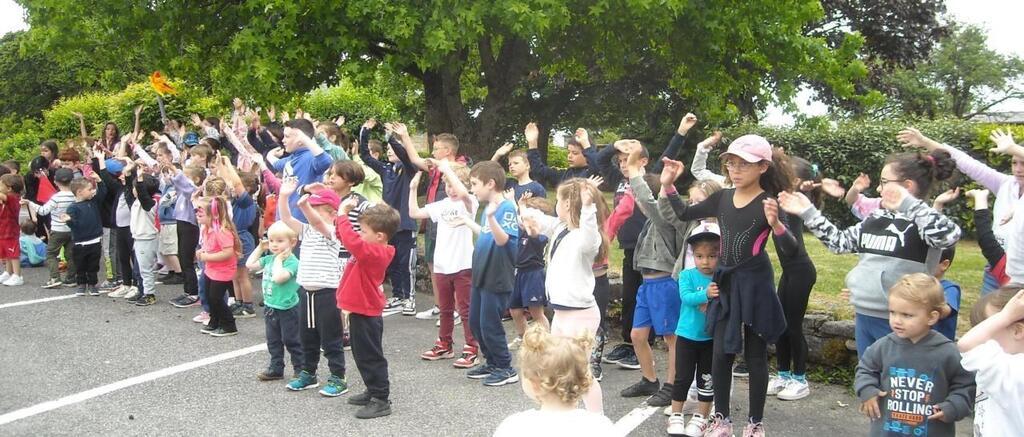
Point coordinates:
[[305, 166]]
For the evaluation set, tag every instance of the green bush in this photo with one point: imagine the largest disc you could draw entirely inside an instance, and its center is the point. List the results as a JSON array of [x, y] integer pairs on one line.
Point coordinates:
[[20, 140], [59, 121], [558, 157], [357, 104]]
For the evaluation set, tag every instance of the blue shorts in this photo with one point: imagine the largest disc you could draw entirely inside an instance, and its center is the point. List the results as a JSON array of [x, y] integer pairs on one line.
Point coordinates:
[[529, 289], [248, 245], [657, 306], [868, 330]]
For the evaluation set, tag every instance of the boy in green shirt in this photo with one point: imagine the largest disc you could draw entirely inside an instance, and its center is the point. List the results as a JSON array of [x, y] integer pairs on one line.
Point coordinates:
[[280, 298]]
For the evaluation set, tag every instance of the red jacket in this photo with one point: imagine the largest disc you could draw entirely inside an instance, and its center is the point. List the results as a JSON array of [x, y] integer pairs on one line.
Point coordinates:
[[359, 291]]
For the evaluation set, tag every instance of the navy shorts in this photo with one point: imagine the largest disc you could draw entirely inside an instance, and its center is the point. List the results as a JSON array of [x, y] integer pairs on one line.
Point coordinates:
[[248, 245], [529, 289], [657, 305]]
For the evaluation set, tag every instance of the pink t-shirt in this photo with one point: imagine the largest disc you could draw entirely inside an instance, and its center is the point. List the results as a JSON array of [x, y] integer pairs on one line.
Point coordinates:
[[216, 241]]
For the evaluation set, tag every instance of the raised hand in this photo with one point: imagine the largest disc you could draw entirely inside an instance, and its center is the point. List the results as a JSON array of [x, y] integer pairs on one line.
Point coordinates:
[[303, 200], [492, 206], [415, 182], [399, 129], [138, 110], [503, 150], [687, 122], [532, 134], [771, 213], [863, 182], [581, 136], [946, 198], [893, 195], [272, 113], [833, 188], [1003, 141], [370, 124], [670, 171], [712, 141], [78, 115], [980, 198], [595, 181], [348, 205], [911, 137], [794, 203], [196, 121], [288, 186], [340, 121], [586, 198]]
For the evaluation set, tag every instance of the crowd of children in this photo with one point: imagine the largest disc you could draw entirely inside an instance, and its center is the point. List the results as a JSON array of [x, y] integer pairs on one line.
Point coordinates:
[[328, 218]]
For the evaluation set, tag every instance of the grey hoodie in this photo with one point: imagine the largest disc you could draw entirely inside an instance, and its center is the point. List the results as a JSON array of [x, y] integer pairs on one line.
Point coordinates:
[[661, 240], [916, 377]]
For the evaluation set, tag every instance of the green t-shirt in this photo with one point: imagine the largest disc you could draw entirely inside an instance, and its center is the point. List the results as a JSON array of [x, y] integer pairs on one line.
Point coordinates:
[[280, 296]]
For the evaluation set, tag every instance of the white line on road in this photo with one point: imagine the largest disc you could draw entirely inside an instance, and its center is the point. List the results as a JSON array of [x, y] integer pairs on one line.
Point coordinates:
[[633, 419], [102, 390], [30, 302]]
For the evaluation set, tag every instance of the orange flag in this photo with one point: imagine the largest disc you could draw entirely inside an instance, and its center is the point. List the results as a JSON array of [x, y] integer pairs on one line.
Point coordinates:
[[160, 84]]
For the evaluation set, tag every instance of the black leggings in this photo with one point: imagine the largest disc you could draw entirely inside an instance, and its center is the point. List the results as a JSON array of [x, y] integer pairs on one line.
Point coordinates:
[[693, 359], [631, 280], [755, 354], [220, 314], [602, 293], [188, 241], [794, 290], [124, 255]]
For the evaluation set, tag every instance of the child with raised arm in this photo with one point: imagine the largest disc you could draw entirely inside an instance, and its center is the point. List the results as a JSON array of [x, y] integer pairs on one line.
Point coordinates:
[[360, 296], [83, 219], [994, 350], [453, 267], [911, 382], [581, 156], [280, 298], [60, 233], [529, 296], [140, 198], [320, 268], [519, 169]]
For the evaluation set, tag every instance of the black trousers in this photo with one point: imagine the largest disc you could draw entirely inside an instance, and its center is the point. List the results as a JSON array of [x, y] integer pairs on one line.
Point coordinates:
[[631, 280], [602, 294], [87, 261], [188, 242], [366, 336], [220, 314], [755, 354], [794, 291], [321, 328], [402, 270], [693, 360], [124, 254]]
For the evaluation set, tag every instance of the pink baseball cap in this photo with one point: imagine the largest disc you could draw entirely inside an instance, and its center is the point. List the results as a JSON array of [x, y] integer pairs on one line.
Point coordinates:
[[325, 197], [750, 148]]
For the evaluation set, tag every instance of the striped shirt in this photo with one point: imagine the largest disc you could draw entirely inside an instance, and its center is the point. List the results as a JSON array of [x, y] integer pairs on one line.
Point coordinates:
[[353, 217], [320, 261], [56, 207]]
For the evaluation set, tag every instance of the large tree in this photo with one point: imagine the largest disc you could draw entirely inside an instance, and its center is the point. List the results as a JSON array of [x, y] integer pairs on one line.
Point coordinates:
[[485, 67]]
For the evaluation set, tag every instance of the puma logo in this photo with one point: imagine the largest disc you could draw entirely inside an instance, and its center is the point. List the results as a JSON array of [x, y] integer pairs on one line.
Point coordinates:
[[901, 234]]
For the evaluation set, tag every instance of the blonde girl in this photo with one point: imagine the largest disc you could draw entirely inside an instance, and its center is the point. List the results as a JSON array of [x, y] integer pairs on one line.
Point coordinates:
[[219, 253]]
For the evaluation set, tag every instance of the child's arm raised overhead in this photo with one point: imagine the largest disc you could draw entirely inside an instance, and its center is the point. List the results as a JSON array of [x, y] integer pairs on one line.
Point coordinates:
[[364, 148], [283, 212], [678, 138], [699, 166], [410, 147], [670, 172], [313, 217], [539, 171], [414, 203], [1005, 144], [642, 194], [588, 224], [253, 261], [500, 236], [935, 228], [837, 240]]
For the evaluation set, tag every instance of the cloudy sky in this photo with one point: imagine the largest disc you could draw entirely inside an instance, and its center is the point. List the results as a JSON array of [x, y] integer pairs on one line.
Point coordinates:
[[1000, 17]]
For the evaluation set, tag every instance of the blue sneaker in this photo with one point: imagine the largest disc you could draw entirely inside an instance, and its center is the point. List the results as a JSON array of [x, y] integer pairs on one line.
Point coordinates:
[[501, 377], [480, 372], [335, 386], [305, 381]]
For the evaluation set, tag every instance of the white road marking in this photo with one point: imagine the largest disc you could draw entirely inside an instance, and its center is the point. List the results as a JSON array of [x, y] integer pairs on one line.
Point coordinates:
[[633, 419], [30, 302], [102, 390]]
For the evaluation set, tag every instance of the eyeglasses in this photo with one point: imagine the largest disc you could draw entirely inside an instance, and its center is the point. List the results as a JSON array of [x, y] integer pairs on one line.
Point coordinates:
[[883, 181], [739, 165]]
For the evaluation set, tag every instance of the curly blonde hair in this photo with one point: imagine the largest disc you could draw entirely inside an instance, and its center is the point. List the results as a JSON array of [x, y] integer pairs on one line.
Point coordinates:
[[557, 365], [920, 288]]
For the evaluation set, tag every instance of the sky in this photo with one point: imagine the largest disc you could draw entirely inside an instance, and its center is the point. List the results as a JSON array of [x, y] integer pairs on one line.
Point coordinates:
[[1000, 17]]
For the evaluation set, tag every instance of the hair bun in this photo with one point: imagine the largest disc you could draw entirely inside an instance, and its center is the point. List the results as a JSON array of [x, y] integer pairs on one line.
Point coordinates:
[[943, 164]]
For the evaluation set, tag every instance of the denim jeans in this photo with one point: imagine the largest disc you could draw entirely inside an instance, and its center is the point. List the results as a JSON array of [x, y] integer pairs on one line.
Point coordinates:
[[283, 332], [485, 309], [868, 330]]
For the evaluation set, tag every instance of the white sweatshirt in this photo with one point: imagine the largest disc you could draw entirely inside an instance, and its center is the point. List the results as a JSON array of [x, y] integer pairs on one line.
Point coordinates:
[[999, 377], [570, 273]]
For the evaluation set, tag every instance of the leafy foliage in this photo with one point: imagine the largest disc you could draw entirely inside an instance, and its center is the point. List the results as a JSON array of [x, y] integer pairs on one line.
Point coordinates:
[[357, 104]]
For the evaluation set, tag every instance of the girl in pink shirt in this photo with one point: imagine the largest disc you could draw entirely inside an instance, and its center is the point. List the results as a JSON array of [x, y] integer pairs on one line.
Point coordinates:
[[219, 252]]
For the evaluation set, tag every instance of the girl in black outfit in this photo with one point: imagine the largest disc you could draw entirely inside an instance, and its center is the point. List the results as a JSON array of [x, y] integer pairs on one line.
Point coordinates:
[[747, 306]]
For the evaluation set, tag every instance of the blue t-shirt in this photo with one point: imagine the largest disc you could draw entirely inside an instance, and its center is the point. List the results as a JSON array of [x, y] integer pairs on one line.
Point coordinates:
[[531, 251], [533, 187], [493, 265], [307, 169], [243, 212], [947, 326], [693, 289]]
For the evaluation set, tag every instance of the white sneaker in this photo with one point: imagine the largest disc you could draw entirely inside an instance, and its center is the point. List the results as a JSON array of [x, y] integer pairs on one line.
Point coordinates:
[[132, 293], [430, 314], [4, 277], [795, 390], [776, 384], [676, 425], [119, 291], [14, 280], [458, 320], [698, 424]]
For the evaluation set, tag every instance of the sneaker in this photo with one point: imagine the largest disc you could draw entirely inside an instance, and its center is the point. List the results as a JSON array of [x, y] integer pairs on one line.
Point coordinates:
[[740, 370], [267, 375], [135, 299], [335, 386], [720, 426], [4, 276], [359, 399], [409, 309], [753, 430], [795, 390], [468, 358], [234, 308], [146, 300], [677, 425], [52, 283], [70, 284], [690, 407], [642, 388], [456, 319], [203, 317], [374, 408], [346, 341], [480, 372], [629, 361], [106, 285], [93, 291], [776, 384], [597, 371], [501, 377], [617, 353], [430, 314], [662, 398], [221, 332], [394, 303], [245, 311], [132, 293], [304, 381], [185, 301], [81, 291], [440, 351], [173, 279], [696, 427], [514, 345], [120, 291], [14, 281], [207, 329]]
